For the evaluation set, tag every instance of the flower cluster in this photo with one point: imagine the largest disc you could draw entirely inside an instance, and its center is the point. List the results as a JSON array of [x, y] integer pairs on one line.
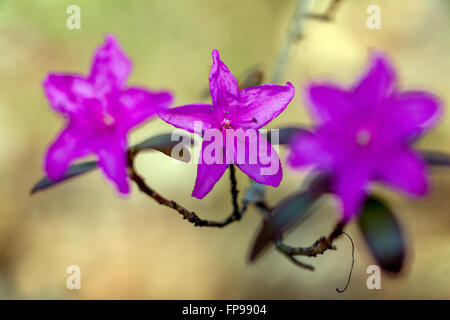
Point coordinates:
[[362, 134]]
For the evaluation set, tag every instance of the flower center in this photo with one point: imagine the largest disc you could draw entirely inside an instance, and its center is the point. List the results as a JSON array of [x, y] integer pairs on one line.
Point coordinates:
[[108, 119], [363, 137], [226, 124]]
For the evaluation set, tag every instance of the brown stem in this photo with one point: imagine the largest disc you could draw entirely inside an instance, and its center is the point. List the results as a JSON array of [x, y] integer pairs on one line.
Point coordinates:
[[328, 15], [234, 193], [318, 247], [187, 214]]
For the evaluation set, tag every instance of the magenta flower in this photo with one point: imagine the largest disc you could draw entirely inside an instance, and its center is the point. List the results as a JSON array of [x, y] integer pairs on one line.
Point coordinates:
[[365, 134], [232, 110], [100, 110]]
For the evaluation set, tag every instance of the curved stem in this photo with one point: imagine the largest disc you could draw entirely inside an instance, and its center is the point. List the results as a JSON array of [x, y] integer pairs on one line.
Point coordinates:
[[190, 216], [318, 247], [234, 193], [329, 14]]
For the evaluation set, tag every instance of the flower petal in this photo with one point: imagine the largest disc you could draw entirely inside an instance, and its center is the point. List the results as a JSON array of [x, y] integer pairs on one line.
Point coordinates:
[[138, 104], [68, 94], [207, 175], [111, 67], [222, 84], [260, 161], [191, 117], [406, 171], [349, 185], [260, 105], [73, 142], [412, 113], [112, 158], [327, 102], [306, 150], [377, 83]]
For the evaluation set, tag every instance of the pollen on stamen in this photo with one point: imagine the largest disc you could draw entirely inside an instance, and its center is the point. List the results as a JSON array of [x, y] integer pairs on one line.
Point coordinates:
[[108, 119], [226, 124], [363, 137]]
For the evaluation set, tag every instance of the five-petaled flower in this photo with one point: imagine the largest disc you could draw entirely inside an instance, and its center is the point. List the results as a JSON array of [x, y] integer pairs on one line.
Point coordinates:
[[365, 134], [233, 109], [100, 110]]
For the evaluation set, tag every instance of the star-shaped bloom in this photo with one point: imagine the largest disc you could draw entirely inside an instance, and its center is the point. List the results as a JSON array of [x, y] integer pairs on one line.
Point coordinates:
[[100, 110], [233, 109], [365, 134]]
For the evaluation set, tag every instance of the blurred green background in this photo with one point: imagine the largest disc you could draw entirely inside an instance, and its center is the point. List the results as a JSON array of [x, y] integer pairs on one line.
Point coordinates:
[[134, 249]]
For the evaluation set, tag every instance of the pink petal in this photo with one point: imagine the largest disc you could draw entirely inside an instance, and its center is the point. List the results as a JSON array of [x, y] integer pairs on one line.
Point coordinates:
[[260, 160], [113, 161], [207, 175], [111, 67], [68, 94], [377, 83], [406, 171], [73, 142], [327, 102], [222, 84], [190, 117], [308, 150], [260, 105], [139, 104], [349, 185], [412, 113]]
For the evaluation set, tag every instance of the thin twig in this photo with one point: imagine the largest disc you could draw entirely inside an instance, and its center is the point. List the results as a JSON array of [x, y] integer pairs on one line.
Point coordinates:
[[318, 247], [187, 214], [294, 34], [328, 15], [234, 193]]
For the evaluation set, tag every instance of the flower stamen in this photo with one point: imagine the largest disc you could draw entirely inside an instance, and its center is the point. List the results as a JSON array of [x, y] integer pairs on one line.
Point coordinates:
[[108, 119], [363, 137], [226, 124]]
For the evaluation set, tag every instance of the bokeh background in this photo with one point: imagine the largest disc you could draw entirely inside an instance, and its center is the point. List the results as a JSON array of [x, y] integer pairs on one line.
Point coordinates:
[[131, 248]]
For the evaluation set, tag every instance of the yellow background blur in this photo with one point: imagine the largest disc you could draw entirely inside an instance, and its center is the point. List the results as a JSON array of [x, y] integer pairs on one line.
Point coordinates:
[[134, 249]]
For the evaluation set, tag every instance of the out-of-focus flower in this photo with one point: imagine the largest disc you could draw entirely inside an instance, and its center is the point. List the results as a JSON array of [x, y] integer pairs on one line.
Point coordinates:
[[365, 134], [100, 110], [231, 110]]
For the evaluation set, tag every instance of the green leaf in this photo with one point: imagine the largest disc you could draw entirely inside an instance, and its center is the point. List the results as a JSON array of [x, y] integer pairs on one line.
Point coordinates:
[[73, 171], [436, 158], [164, 144], [383, 234], [255, 192], [288, 214], [286, 134]]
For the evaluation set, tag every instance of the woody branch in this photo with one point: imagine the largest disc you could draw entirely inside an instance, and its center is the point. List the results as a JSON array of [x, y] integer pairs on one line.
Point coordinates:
[[190, 216]]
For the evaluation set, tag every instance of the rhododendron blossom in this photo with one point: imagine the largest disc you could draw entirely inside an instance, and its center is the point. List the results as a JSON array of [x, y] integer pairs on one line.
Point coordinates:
[[365, 134], [100, 110], [237, 114]]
